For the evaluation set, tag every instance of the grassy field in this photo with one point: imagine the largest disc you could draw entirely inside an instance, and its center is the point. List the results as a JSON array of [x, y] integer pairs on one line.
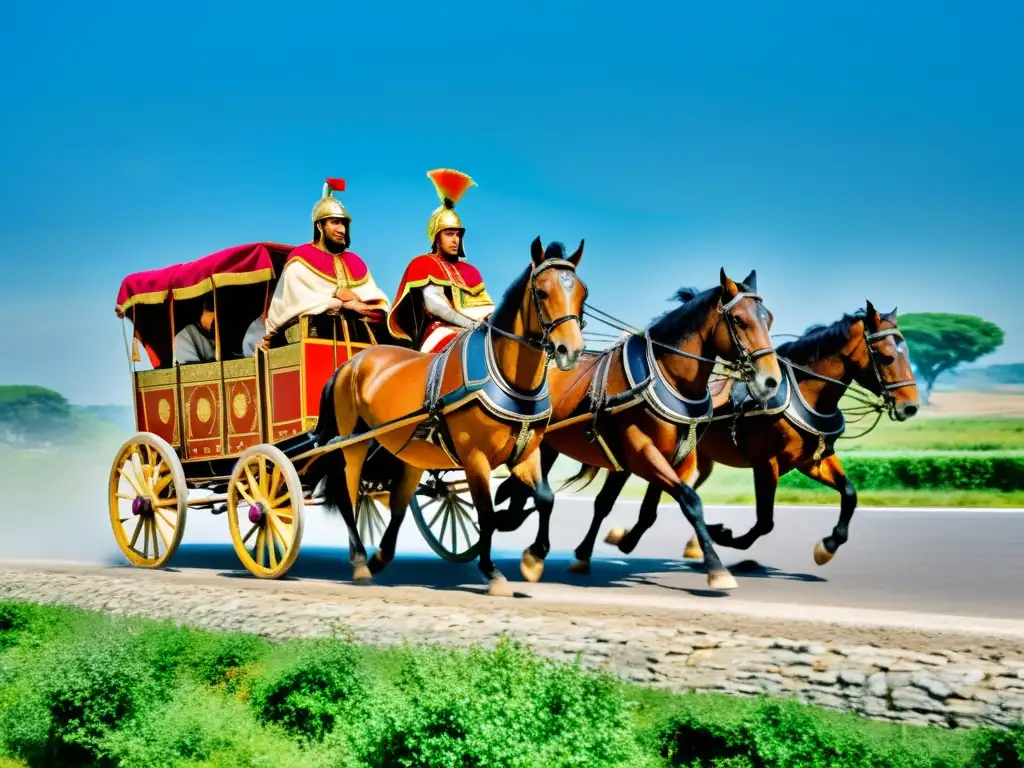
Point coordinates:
[[964, 434], [84, 689]]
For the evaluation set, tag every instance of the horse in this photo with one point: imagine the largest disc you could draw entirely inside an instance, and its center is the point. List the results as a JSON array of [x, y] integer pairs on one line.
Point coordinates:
[[485, 397], [797, 430], [636, 408]]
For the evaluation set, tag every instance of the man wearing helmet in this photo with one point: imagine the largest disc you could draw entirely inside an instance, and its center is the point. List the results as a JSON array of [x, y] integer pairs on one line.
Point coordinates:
[[441, 293], [322, 276]]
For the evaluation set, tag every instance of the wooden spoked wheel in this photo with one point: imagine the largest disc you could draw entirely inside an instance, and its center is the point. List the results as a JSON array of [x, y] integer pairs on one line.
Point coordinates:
[[148, 500], [372, 515], [444, 512], [265, 509]]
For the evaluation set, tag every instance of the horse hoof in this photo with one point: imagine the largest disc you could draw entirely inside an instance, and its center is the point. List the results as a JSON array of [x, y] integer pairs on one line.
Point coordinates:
[[821, 555], [579, 566], [693, 550], [499, 587], [615, 536], [377, 563], [721, 580], [362, 575], [531, 566]]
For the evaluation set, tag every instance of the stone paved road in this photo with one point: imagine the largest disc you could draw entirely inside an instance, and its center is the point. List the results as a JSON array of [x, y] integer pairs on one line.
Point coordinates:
[[960, 562]]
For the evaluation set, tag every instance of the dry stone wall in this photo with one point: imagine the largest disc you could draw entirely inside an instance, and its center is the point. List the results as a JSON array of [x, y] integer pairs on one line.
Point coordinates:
[[961, 687]]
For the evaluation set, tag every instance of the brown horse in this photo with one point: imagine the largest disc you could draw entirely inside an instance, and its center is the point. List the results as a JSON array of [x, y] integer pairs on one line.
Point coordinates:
[[796, 431], [637, 406], [486, 399]]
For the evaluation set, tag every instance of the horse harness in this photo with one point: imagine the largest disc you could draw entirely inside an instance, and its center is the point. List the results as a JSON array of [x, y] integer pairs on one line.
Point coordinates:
[[483, 381], [648, 385]]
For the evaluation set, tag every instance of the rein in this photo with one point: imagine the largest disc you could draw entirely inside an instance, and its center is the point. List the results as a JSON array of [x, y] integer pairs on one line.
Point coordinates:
[[545, 344]]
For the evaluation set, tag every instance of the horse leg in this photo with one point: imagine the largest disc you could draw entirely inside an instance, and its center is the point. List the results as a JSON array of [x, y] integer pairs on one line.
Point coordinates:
[[478, 476], [531, 473], [830, 472], [401, 494], [766, 483], [355, 456], [662, 474], [626, 540], [704, 467], [603, 505], [519, 492]]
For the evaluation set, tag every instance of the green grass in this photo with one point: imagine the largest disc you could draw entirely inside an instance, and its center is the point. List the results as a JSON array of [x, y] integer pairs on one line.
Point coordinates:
[[936, 434], [80, 688]]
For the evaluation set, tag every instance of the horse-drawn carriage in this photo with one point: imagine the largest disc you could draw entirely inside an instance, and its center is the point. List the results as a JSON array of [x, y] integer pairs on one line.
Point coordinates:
[[235, 435]]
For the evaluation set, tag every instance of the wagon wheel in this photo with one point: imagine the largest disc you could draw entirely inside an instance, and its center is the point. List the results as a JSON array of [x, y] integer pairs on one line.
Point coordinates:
[[148, 500], [444, 512], [265, 499], [373, 513]]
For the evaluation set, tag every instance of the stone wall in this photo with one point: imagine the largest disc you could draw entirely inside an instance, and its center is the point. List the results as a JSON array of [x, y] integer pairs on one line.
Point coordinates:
[[967, 685]]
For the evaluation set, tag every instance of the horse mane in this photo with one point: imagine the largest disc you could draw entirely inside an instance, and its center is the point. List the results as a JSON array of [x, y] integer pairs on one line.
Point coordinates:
[[820, 341], [680, 322], [508, 307]]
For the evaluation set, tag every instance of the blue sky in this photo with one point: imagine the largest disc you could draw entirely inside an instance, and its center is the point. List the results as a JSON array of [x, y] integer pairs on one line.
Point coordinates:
[[846, 151]]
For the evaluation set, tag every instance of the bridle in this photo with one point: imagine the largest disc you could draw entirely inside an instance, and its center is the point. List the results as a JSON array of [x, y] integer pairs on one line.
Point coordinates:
[[887, 387], [744, 363], [544, 344]]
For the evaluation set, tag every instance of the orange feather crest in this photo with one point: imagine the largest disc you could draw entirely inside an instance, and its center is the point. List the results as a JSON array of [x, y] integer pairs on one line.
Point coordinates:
[[450, 185]]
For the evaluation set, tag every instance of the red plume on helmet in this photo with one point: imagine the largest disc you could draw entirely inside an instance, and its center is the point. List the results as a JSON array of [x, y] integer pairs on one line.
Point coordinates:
[[451, 185], [334, 185]]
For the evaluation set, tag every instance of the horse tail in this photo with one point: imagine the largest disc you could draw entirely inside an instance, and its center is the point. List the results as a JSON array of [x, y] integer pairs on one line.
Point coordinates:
[[586, 472]]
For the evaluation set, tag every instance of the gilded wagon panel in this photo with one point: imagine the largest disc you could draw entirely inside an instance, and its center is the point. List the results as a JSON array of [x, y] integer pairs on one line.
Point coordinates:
[[203, 396], [156, 397], [285, 392], [242, 405]]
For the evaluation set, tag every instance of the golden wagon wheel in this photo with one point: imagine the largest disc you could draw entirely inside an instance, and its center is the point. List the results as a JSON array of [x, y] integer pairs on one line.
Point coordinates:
[[148, 500], [265, 509], [373, 513], [446, 516]]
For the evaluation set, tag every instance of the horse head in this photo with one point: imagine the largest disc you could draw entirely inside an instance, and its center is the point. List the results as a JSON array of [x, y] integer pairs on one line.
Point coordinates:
[[557, 296], [885, 368], [742, 335]]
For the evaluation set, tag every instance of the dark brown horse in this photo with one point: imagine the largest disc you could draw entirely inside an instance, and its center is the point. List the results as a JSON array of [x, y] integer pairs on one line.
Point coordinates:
[[486, 398], [637, 406], [796, 431]]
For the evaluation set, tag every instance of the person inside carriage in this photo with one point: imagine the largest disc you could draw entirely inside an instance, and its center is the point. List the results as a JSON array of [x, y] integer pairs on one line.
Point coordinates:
[[320, 277], [441, 293], [196, 342]]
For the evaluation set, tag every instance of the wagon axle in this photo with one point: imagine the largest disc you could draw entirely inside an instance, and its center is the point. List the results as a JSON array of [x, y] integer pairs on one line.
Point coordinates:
[[257, 514], [142, 506]]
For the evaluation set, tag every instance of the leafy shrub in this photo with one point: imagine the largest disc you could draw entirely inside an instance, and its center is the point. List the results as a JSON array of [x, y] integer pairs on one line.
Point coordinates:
[[507, 707], [309, 687], [196, 726], [783, 734], [961, 473], [999, 749]]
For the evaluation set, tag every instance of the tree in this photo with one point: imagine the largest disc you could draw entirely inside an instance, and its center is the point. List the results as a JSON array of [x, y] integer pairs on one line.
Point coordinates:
[[938, 342]]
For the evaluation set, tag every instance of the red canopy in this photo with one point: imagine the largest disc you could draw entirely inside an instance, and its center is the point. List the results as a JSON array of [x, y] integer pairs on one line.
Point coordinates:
[[239, 265], [143, 296]]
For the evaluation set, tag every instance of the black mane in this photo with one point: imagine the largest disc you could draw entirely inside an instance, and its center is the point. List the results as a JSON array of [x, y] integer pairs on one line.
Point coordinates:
[[676, 324], [508, 307], [820, 341]]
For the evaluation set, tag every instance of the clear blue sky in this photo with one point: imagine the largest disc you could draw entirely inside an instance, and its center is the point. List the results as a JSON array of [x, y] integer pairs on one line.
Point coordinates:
[[845, 150]]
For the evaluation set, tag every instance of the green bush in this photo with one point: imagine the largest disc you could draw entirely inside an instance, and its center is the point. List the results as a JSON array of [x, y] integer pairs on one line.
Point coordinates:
[[962, 473], [999, 749], [507, 707], [310, 686]]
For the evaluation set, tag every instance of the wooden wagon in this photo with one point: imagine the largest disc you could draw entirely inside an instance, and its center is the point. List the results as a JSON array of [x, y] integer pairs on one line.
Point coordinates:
[[235, 435]]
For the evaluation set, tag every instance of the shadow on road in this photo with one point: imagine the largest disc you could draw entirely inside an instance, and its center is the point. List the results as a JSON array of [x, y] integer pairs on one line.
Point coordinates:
[[429, 571]]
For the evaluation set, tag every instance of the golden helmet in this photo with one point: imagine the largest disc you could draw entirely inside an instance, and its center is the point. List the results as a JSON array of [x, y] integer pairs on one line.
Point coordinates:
[[328, 206], [451, 186]]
